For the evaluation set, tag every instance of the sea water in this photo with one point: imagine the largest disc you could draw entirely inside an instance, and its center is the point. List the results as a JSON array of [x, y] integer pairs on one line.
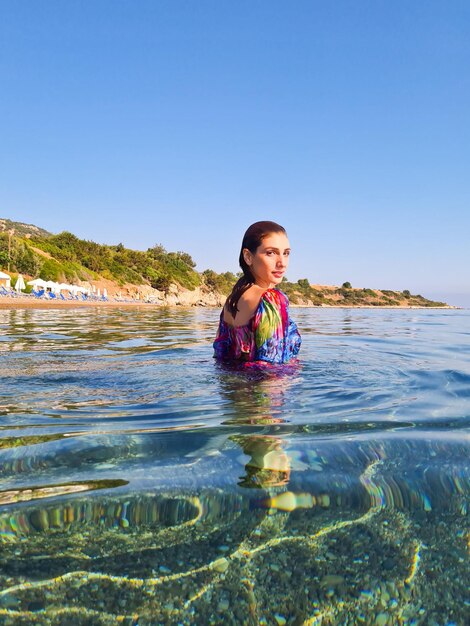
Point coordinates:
[[143, 483]]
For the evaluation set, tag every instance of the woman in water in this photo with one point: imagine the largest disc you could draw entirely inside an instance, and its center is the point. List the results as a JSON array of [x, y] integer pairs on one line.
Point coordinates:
[[254, 323]]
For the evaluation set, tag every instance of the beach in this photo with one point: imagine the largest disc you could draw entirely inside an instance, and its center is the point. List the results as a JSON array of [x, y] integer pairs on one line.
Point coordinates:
[[26, 302], [36, 303]]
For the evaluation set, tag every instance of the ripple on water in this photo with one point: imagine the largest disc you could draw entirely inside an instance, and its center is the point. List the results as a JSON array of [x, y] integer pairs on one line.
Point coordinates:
[[141, 482]]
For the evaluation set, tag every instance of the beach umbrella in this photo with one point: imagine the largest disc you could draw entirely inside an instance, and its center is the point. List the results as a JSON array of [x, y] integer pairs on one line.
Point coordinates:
[[19, 286], [37, 282], [105, 293], [6, 278], [50, 284]]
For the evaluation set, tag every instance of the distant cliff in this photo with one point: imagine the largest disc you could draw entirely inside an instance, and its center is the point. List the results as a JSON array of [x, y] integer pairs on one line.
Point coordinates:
[[158, 275]]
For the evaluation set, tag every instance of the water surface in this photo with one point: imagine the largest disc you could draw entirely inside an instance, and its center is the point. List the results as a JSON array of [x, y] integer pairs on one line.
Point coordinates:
[[142, 483]]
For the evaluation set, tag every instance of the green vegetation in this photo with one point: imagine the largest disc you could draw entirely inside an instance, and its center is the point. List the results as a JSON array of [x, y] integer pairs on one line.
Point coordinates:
[[22, 230], [20, 256], [219, 282], [65, 257], [302, 292], [34, 252]]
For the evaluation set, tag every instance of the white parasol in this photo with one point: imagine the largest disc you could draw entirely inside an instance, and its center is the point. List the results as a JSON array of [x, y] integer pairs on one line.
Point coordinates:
[[37, 282], [19, 285]]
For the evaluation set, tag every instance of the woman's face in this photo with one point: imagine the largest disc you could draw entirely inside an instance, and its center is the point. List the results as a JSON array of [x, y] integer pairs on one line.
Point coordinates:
[[269, 263]]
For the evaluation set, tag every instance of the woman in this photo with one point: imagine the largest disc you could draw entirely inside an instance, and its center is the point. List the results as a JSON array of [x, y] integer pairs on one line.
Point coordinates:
[[255, 323]]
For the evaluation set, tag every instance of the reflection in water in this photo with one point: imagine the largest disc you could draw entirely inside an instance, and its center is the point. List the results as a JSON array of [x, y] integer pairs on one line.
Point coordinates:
[[143, 484], [36, 493], [256, 395], [269, 464]]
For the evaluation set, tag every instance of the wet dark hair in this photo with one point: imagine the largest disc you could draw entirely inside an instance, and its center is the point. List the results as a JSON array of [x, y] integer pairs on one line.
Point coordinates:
[[251, 240]]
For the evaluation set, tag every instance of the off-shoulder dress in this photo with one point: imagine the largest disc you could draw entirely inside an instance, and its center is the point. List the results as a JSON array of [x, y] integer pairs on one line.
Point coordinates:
[[269, 336]]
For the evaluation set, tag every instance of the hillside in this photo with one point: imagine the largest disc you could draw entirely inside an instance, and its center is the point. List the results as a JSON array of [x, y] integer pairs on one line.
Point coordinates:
[[22, 230], [302, 292], [34, 252]]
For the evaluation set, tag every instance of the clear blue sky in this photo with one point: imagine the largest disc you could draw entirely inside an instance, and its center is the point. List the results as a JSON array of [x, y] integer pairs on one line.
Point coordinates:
[[180, 123]]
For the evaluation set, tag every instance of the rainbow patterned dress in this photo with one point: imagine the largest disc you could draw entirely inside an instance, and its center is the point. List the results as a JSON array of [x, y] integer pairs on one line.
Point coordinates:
[[270, 336]]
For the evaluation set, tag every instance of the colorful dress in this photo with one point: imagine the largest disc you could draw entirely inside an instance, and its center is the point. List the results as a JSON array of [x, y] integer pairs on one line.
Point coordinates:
[[269, 336]]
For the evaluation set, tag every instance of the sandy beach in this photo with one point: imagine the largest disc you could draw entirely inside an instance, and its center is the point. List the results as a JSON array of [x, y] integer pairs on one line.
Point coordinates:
[[24, 302], [7, 302]]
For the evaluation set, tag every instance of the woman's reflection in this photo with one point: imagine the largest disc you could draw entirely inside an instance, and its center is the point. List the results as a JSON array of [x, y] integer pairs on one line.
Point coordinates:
[[256, 396]]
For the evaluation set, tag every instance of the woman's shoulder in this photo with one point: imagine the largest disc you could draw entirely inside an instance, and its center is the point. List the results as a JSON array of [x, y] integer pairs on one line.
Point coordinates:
[[275, 295], [247, 306], [252, 296]]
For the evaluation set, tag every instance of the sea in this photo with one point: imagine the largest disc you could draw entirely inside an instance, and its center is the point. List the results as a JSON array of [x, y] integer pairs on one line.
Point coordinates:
[[142, 483]]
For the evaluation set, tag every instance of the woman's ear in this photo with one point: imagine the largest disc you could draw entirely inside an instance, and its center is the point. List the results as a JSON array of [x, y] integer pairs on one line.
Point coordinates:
[[247, 256]]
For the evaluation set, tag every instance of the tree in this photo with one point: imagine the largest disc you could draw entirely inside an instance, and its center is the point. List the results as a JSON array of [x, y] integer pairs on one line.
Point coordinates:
[[4, 258], [346, 285], [210, 278], [186, 258], [157, 251]]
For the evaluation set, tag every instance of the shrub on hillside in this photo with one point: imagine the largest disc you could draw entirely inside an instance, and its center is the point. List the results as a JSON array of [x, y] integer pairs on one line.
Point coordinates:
[[219, 282]]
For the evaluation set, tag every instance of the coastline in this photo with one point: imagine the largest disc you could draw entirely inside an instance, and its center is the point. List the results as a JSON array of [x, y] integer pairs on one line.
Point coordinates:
[[23, 302]]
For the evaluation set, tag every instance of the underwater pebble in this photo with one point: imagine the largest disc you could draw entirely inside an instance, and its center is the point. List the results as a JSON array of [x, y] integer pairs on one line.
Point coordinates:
[[223, 548], [220, 565], [274, 567], [381, 619], [164, 570], [331, 580], [9, 601], [223, 605], [280, 619]]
